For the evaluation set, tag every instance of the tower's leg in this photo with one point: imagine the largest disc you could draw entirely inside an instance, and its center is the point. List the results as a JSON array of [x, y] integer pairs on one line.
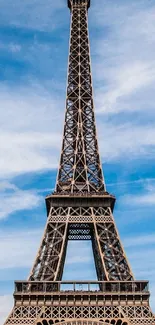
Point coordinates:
[[49, 262]]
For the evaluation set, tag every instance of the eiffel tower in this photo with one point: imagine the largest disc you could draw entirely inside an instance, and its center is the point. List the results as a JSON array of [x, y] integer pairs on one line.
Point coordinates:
[[80, 209]]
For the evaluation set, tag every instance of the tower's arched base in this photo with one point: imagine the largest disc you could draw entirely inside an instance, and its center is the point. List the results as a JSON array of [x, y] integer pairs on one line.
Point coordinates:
[[84, 322], [77, 308]]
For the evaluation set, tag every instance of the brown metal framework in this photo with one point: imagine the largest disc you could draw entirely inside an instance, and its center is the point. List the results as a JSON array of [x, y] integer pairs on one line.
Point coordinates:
[[80, 209], [80, 169]]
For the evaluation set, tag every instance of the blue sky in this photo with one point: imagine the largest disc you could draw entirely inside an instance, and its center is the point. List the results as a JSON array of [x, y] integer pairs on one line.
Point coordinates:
[[34, 40]]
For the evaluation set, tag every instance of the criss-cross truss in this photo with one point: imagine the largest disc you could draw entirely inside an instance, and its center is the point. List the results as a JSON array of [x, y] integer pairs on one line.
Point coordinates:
[[80, 168], [80, 209], [81, 223]]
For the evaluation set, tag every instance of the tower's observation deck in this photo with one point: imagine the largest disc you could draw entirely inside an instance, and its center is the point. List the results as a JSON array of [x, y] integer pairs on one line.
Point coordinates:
[[78, 2]]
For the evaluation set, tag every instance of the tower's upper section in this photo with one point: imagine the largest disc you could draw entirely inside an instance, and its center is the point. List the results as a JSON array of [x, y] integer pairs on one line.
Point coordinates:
[[80, 169], [78, 2]]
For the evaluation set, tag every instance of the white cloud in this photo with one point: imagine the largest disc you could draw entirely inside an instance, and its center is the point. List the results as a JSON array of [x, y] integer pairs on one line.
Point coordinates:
[[29, 135], [139, 240], [37, 15], [119, 140], [6, 303], [19, 248], [14, 199], [129, 81], [123, 62], [28, 151], [12, 47], [137, 182], [146, 198]]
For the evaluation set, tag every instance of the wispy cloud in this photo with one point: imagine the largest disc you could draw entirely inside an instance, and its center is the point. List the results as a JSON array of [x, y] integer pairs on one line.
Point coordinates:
[[139, 182], [130, 80], [140, 240], [121, 139], [14, 199], [40, 15], [145, 198], [29, 138], [124, 67], [11, 47], [6, 303], [20, 247]]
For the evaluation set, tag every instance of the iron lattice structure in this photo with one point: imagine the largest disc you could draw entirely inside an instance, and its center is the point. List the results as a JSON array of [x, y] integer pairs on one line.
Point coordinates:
[[80, 209]]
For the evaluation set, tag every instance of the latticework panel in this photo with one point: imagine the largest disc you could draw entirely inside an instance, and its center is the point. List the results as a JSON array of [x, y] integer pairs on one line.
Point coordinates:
[[80, 169], [111, 252], [140, 315], [137, 311], [80, 214], [20, 321], [144, 321], [50, 258], [24, 315]]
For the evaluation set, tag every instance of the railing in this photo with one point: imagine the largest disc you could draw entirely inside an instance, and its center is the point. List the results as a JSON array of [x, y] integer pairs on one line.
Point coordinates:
[[82, 286], [81, 194]]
